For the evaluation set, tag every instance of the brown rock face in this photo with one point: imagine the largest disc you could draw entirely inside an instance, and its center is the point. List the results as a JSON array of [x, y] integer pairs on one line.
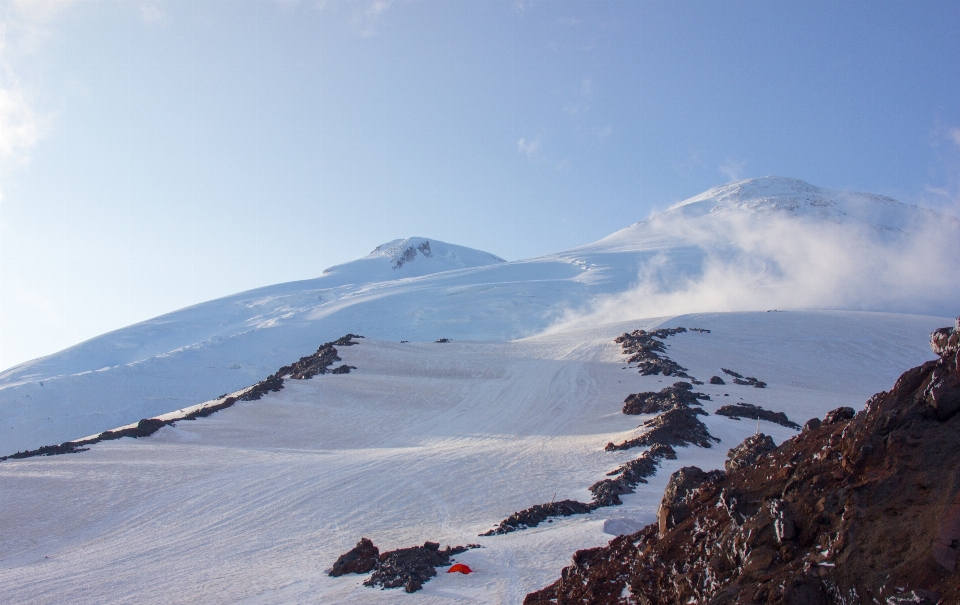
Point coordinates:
[[856, 510], [362, 558]]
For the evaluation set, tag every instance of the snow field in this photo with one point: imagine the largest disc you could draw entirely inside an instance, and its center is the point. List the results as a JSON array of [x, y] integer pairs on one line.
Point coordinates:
[[424, 441]]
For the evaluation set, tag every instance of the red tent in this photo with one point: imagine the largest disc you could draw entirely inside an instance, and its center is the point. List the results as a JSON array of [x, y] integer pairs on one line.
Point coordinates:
[[461, 568]]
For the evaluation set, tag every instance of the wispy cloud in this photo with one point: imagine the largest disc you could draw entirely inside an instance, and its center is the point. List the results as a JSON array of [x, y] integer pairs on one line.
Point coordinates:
[[754, 262], [151, 14], [954, 135], [364, 15], [732, 169], [532, 150], [529, 148], [581, 98], [26, 25]]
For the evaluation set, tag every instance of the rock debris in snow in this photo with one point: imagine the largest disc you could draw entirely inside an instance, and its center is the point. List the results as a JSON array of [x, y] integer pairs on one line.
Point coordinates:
[[749, 410]]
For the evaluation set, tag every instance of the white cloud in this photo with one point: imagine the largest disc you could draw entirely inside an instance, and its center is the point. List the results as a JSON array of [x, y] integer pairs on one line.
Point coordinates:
[[732, 169], [954, 134], [744, 262], [20, 124], [151, 14], [528, 148], [582, 96], [26, 25], [364, 15]]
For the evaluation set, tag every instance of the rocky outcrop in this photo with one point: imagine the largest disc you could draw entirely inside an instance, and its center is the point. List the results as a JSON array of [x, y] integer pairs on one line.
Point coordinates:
[[678, 395], [862, 509], [744, 380], [362, 558], [645, 347], [606, 492], [537, 514], [409, 568], [749, 452], [748, 410], [677, 428]]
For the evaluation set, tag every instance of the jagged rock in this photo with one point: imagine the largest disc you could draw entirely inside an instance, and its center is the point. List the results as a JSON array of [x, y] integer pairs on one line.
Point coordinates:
[[533, 516], [839, 415], [683, 483], [914, 597], [644, 350], [748, 410], [606, 492], [744, 380], [873, 501], [410, 568], [677, 427], [945, 342], [680, 394], [362, 558], [943, 392], [748, 452], [812, 425], [716, 380]]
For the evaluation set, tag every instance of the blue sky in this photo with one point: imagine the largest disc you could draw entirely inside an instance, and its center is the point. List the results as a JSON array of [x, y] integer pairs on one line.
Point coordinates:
[[156, 155]]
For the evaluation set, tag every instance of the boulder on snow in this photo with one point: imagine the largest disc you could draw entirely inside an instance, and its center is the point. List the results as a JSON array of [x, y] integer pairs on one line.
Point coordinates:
[[362, 558]]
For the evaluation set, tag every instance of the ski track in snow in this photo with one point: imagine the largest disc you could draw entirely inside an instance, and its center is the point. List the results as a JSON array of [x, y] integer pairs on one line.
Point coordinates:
[[423, 441]]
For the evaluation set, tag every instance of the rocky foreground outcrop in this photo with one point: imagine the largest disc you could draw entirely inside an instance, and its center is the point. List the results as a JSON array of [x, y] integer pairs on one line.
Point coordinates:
[[407, 568], [856, 509]]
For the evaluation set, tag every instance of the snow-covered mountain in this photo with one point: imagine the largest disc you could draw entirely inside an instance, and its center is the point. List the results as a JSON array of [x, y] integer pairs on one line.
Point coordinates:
[[411, 257], [440, 441], [752, 245]]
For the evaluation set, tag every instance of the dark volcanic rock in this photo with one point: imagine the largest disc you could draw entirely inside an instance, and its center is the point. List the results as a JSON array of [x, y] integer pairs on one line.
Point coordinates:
[[749, 452], [744, 380], [857, 510], [606, 492], [716, 380], [679, 493], [676, 428], [644, 349], [411, 568], [680, 394], [748, 410], [362, 558], [839, 415], [533, 516]]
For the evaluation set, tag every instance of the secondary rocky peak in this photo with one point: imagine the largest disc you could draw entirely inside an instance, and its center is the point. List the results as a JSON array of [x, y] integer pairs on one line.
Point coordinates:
[[410, 257]]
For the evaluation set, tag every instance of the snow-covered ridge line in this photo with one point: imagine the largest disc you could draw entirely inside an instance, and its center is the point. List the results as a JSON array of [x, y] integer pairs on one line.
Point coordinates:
[[305, 368]]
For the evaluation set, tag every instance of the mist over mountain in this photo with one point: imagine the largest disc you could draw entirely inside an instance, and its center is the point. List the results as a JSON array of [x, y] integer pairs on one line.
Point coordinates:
[[759, 244]]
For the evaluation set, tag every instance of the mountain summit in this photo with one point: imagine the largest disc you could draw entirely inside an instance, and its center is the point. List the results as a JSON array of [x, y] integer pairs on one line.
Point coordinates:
[[774, 194], [411, 257]]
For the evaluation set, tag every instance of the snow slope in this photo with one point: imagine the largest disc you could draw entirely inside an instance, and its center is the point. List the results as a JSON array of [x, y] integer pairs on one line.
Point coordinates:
[[424, 441], [753, 245]]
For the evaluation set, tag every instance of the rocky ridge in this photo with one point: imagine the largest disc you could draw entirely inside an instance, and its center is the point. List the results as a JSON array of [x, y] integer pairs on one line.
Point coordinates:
[[860, 508], [304, 369], [749, 410], [676, 425]]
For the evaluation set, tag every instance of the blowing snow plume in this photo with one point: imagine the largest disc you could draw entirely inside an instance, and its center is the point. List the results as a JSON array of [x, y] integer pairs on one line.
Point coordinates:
[[775, 243]]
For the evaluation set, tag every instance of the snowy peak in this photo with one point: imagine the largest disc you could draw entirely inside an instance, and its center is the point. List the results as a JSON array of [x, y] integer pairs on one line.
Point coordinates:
[[793, 197], [411, 257]]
